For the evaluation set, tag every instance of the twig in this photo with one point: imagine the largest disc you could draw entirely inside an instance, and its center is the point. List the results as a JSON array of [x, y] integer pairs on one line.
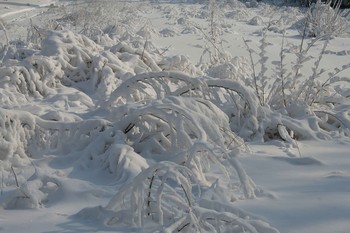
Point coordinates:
[[2, 182], [210, 40], [144, 48], [14, 173], [254, 72], [149, 192], [326, 82], [187, 197], [57, 26], [2, 25], [185, 225], [17, 184], [296, 143], [282, 72], [129, 127], [36, 29], [164, 50]]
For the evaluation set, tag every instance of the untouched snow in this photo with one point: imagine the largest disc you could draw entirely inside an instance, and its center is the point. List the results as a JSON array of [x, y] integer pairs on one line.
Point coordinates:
[[136, 131], [309, 193], [11, 8]]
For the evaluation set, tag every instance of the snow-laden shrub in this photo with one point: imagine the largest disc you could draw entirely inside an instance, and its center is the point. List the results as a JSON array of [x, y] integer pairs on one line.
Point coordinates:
[[95, 19], [188, 131], [151, 85], [34, 193], [167, 198], [107, 152], [26, 75], [162, 193], [87, 66], [231, 96], [147, 32], [180, 63], [173, 124], [167, 135], [17, 50], [107, 149], [36, 77], [324, 20], [295, 100], [90, 16], [96, 145], [183, 138], [238, 68], [27, 80], [15, 131], [139, 59], [73, 51], [25, 135], [80, 60]]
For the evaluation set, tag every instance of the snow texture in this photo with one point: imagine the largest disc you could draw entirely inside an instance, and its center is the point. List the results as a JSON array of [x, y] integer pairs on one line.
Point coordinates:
[[115, 133]]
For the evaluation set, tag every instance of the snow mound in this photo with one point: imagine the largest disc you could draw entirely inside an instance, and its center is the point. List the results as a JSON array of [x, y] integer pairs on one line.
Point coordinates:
[[167, 32], [256, 21]]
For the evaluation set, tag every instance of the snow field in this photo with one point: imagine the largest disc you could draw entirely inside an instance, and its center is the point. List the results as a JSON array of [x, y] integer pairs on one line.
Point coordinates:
[[102, 130]]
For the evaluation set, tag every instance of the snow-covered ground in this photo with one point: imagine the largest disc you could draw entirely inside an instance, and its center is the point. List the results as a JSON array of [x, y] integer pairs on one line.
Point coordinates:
[[309, 194], [139, 117], [13, 8]]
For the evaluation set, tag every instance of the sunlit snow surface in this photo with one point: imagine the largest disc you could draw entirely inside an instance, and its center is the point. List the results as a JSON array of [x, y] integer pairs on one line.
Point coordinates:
[[128, 128]]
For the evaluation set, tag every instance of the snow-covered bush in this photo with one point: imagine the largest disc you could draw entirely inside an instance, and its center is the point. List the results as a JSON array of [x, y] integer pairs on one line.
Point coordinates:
[[14, 136], [34, 193], [167, 195], [194, 120], [238, 68], [162, 193], [324, 20], [26, 135], [213, 52], [86, 65], [295, 94], [180, 63], [231, 96], [93, 15], [154, 118], [188, 131]]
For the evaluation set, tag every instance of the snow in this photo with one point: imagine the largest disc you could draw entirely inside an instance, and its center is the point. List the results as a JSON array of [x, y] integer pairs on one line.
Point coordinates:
[[311, 193], [140, 117]]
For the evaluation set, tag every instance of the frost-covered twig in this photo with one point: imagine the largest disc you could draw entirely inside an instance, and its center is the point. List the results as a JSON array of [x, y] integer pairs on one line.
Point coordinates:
[[3, 28], [328, 81], [255, 77], [282, 71]]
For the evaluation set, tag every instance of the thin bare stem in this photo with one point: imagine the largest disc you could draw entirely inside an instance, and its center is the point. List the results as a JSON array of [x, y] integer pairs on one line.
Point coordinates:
[[14, 174], [2, 183], [296, 143], [282, 71], [144, 48], [254, 72]]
